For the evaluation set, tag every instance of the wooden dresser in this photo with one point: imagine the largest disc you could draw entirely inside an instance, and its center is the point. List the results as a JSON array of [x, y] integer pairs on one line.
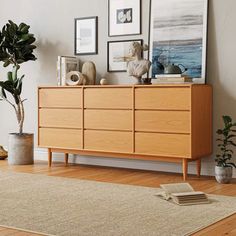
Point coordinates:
[[156, 122]]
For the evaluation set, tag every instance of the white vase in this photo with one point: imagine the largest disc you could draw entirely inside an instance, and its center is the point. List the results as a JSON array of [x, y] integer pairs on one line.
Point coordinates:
[[223, 175]]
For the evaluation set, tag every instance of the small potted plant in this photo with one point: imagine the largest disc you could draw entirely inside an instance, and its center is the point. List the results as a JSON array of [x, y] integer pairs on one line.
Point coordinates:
[[224, 165], [16, 47]]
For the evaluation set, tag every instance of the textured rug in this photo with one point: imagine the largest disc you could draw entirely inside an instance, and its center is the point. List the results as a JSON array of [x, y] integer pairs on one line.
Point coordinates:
[[62, 206]]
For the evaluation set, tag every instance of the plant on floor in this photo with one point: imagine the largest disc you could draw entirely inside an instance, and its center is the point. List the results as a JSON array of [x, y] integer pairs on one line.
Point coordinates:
[[225, 142], [16, 47]]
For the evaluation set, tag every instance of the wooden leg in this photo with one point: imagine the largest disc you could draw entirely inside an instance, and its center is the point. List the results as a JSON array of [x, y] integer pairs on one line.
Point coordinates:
[[49, 157], [66, 158], [198, 168], [185, 168]]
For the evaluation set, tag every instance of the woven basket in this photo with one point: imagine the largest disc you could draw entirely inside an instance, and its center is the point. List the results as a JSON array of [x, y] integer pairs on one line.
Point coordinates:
[[3, 153]]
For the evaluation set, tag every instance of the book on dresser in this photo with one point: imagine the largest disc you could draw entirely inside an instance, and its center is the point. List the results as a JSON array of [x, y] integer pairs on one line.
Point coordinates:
[[182, 194], [65, 64], [180, 79]]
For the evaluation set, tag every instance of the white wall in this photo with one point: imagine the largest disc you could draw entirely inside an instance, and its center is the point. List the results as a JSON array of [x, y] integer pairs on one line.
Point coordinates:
[[52, 22]]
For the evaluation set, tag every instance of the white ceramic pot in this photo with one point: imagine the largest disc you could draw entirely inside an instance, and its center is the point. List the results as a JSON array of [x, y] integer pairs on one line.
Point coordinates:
[[223, 174], [21, 149]]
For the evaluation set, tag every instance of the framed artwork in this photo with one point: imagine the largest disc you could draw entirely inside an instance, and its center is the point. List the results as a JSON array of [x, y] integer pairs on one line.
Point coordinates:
[[118, 55], [178, 34], [86, 35], [124, 17]]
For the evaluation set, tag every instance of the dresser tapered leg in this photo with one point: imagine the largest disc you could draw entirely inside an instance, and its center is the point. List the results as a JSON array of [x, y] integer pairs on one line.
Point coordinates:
[[49, 157], [199, 168], [185, 168], [66, 158]]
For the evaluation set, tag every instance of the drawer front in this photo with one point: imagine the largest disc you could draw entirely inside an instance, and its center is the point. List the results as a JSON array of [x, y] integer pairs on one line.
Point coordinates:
[[61, 97], [117, 98], [176, 145], [163, 98], [61, 118], [108, 141], [162, 121], [60, 138], [108, 119]]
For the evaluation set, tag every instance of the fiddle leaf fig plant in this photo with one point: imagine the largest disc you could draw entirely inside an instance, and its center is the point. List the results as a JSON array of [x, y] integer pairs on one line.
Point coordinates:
[[16, 47], [226, 142]]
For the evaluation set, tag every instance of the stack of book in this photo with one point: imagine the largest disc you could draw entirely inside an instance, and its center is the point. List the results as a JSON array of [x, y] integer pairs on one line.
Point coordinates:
[[173, 78], [65, 64], [183, 194]]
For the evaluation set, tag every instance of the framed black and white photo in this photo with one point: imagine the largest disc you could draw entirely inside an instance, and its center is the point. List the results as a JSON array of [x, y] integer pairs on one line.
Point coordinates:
[[178, 34], [124, 17], [86, 35], [118, 55]]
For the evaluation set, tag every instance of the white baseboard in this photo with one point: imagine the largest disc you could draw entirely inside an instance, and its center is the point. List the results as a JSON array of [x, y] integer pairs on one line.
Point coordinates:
[[207, 165]]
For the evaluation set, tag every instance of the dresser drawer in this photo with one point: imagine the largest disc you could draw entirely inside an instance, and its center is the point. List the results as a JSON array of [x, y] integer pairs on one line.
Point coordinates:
[[108, 119], [176, 145], [60, 97], [60, 138], [162, 121], [116, 98], [108, 141], [60, 118], [163, 98]]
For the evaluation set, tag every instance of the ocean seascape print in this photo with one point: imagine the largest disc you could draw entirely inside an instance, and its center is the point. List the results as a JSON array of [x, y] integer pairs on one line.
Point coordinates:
[[178, 30]]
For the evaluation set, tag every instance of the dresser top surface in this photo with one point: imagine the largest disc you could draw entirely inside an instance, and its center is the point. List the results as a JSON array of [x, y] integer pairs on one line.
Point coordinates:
[[186, 85]]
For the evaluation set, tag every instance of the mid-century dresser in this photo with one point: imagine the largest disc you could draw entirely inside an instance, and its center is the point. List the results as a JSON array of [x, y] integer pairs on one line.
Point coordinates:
[[171, 122]]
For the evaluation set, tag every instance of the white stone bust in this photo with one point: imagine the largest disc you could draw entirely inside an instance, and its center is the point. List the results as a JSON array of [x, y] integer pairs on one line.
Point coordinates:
[[139, 66]]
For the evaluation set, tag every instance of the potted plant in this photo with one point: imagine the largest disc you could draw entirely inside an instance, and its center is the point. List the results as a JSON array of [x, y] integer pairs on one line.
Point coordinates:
[[224, 167], [16, 47]]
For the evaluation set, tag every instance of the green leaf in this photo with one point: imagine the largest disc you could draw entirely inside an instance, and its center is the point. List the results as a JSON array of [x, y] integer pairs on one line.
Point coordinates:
[[21, 26], [231, 136], [9, 76], [219, 131], [227, 119], [3, 93], [231, 164], [232, 143], [25, 29], [14, 73], [7, 63]]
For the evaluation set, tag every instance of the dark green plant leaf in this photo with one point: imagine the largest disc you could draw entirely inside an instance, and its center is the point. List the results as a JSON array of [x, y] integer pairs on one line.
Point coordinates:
[[219, 131], [7, 63], [3, 93], [231, 164], [9, 76]]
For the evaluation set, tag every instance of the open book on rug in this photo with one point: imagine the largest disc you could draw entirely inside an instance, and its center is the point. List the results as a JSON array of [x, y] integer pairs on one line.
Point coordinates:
[[182, 194]]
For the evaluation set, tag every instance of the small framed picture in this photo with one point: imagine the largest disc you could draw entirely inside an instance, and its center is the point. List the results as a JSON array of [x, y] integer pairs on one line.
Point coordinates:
[[86, 35], [124, 17], [118, 55]]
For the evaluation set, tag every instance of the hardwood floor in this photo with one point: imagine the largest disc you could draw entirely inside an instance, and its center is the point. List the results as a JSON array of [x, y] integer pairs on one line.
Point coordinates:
[[132, 177]]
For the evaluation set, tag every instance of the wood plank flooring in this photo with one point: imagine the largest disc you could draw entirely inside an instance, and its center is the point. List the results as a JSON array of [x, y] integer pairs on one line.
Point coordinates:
[[132, 177]]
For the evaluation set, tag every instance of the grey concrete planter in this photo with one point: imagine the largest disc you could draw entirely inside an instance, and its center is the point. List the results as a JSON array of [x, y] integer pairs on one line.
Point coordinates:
[[223, 174], [21, 149]]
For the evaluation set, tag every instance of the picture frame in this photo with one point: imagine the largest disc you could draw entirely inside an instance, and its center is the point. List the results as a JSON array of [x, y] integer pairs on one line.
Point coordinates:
[[118, 54], [124, 17], [86, 35], [178, 34]]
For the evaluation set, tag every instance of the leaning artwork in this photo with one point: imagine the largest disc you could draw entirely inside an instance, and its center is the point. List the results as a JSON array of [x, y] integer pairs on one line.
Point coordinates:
[[178, 31]]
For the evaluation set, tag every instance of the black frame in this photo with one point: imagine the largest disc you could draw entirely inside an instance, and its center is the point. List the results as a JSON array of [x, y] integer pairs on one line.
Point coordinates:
[[140, 22], [119, 41], [96, 35]]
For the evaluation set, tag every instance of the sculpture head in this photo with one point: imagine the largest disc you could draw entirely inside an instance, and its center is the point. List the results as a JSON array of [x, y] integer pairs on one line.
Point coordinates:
[[136, 49]]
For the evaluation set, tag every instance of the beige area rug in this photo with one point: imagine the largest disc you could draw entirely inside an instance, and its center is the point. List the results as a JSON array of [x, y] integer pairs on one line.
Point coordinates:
[[62, 206]]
